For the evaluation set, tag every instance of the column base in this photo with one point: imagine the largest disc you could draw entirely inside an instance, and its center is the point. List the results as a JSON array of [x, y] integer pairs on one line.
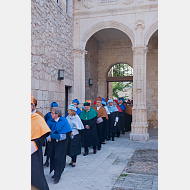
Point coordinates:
[[139, 137]]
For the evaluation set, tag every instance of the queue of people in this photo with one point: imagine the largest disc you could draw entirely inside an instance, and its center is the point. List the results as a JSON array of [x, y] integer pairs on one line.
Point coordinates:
[[61, 136]]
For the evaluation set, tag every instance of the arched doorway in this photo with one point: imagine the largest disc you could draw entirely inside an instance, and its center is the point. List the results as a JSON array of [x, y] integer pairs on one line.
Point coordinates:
[[104, 49], [120, 81]]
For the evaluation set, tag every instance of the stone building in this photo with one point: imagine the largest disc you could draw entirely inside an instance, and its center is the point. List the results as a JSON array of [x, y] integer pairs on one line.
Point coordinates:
[[86, 38], [52, 49]]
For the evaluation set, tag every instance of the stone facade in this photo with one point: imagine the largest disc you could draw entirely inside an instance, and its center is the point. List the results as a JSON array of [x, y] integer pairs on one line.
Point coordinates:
[[91, 69], [138, 19], [51, 49]]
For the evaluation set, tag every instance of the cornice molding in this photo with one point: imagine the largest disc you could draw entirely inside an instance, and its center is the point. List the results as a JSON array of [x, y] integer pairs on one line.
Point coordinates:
[[134, 9]]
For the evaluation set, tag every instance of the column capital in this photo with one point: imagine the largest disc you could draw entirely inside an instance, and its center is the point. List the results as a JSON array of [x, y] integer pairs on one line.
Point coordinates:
[[79, 52], [140, 49]]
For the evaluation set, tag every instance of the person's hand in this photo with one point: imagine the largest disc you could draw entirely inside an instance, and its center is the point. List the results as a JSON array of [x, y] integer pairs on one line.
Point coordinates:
[[71, 134], [49, 140], [87, 127]]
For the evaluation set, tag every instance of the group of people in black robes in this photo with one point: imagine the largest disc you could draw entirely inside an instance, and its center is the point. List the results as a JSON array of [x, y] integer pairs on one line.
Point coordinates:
[[90, 127]]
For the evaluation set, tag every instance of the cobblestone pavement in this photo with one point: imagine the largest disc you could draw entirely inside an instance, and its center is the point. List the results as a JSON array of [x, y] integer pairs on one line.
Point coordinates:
[[107, 170]]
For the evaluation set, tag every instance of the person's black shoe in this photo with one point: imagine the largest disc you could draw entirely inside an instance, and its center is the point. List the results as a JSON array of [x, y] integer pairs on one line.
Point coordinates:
[[71, 164], [53, 176], [95, 151], [46, 164], [113, 139], [86, 153], [99, 148], [56, 181]]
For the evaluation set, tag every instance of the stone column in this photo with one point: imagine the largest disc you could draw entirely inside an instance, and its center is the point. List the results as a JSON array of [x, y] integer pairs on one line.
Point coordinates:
[[79, 75], [139, 124]]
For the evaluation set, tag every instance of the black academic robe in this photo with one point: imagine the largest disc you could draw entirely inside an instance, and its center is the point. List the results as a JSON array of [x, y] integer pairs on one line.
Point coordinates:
[[107, 127], [104, 130], [112, 128], [90, 136], [99, 131], [58, 156], [119, 123], [74, 145], [128, 120], [123, 120], [38, 179]]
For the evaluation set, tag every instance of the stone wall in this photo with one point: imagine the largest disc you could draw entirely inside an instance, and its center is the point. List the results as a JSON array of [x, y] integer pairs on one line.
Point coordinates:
[[91, 69], [109, 54], [152, 83], [51, 49]]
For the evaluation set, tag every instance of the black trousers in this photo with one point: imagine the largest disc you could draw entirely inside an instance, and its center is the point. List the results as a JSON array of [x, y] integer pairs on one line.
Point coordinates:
[[74, 158]]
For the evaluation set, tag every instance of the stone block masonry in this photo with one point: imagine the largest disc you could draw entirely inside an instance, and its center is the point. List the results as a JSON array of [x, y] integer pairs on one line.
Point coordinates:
[[51, 50], [91, 69]]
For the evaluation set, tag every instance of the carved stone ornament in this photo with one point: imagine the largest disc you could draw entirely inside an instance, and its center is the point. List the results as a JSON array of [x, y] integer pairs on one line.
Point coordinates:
[[89, 3], [79, 52], [127, 1]]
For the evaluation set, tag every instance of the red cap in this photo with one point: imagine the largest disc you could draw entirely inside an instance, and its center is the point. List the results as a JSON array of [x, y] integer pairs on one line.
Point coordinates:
[[95, 102], [116, 101]]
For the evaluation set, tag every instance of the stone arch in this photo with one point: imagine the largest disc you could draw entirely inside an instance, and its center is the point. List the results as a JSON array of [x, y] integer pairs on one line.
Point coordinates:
[[150, 31], [107, 24]]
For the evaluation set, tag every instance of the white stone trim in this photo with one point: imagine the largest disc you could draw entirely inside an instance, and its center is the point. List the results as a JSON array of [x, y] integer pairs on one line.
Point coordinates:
[[150, 31], [107, 24]]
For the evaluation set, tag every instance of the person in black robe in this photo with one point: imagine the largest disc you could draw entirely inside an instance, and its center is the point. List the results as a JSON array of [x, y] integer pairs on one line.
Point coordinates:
[[113, 119], [128, 114], [102, 116], [74, 144], [39, 131], [89, 135], [60, 134], [122, 115], [47, 143], [116, 103]]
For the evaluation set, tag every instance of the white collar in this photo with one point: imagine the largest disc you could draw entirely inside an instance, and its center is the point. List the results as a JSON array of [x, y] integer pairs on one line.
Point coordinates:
[[57, 119], [98, 107]]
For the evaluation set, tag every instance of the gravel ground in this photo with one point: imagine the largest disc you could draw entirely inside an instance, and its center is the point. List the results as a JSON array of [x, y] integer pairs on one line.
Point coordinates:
[[143, 162]]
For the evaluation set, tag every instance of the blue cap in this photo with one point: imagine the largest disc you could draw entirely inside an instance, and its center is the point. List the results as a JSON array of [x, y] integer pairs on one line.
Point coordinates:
[[72, 107], [110, 100], [122, 99], [54, 104], [104, 103], [75, 101], [103, 99]]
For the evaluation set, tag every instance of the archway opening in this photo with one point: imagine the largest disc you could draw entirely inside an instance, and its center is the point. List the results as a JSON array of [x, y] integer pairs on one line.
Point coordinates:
[[105, 48], [120, 81]]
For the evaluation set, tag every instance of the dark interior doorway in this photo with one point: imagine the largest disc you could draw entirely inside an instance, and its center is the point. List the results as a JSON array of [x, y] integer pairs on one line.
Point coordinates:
[[66, 98]]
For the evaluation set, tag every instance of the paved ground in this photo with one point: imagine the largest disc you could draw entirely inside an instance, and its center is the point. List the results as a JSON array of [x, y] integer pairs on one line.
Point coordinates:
[[107, 170]]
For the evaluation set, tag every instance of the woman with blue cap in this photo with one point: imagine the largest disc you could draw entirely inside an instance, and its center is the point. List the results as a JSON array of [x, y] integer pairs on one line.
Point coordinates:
[[74, 144], [76, 103], [47, 117], [113, 119]]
